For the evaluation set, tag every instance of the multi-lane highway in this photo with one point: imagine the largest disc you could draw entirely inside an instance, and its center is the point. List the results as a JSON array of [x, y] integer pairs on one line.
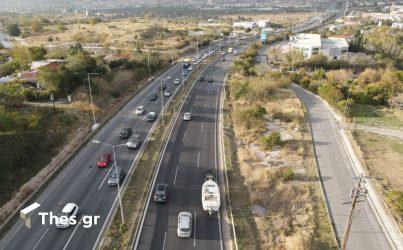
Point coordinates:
[[191, 150], [87, 186]]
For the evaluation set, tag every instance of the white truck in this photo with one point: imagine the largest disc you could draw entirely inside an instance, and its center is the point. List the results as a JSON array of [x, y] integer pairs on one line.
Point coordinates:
[[210, 196]]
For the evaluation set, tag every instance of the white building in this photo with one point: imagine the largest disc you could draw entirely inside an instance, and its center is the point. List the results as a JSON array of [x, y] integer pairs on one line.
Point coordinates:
[[312, 44], [250, 25]]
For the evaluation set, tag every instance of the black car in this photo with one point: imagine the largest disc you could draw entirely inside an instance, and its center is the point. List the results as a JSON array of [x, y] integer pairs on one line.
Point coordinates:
[[162, 87], [161, 193], [210, 79], [201, 78], [153, 97], [125, 133], [210, 175], [223, 59]]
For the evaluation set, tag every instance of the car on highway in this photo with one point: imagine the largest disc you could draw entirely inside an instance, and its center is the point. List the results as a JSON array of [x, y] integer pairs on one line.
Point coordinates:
[[185, 73], [167, 93], [134, 141], [151, 116], [125, 133], [162, 87], [140, 110], [209, 175], [223, 59], [161, 192], [104, 160], [153, 97], [177, 81], [190, 68], [185, 220], [223, 53], [69, 210], [116, 177], [187, 116], [210, 79], [201, 78]]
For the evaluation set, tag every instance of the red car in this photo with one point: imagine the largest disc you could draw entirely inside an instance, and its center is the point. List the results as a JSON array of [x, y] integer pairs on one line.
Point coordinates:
[[104, 161]]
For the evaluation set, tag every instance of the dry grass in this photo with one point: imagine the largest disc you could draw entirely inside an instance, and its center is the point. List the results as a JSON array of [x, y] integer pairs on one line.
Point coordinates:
[[280, 18], [383, 157], [283, 180], [123, 33]]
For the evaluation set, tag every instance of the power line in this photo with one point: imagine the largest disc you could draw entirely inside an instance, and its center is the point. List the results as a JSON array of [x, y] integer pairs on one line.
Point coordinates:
[[358, 194]]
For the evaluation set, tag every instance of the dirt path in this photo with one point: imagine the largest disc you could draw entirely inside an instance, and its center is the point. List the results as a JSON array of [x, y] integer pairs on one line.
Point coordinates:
[[382, 131]]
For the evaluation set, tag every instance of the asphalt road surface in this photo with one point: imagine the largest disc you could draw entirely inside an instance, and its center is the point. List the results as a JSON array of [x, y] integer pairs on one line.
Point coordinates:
[[338, 178], [191, 150], [87, 186]]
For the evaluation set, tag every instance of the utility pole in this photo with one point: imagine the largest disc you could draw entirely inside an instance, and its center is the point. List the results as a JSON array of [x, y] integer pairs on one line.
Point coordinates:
[[356, 194]]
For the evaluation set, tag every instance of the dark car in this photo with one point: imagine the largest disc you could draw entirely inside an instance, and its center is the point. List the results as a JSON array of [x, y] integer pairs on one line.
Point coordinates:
[[210, 79], [116, 177], [125, 133], [210, 175], [162, 87], [223, 59], [201, 78], [161, 193], [153, 97], [152, 116]]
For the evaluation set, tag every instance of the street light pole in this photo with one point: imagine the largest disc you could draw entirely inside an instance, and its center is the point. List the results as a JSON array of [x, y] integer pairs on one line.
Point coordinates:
[[95, 124], [162, 104], [148, 64], [119, 196]]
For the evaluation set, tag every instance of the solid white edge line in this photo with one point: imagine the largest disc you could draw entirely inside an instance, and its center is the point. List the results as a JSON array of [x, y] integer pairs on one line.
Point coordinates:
[[201, 130], [184, 136], [39, 241], [215, 156]]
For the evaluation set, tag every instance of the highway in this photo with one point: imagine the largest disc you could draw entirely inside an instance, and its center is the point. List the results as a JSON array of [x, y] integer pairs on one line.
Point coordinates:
[[191, 150], [338, 178], [87, 186]]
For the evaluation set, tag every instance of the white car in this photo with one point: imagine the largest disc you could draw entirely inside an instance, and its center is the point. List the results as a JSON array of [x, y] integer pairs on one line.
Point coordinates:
[[190, 68], [68, 212], [185, 220], [177, 81], [187, 116], [140, 110], [167, 93]]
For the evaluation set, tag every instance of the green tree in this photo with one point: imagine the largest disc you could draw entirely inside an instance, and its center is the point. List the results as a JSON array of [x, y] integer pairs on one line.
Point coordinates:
[[22, 56], [37, 53], [9, 68], [13, 29], [12, 94]]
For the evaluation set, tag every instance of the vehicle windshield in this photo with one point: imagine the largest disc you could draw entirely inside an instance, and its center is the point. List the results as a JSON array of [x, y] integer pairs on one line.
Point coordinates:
[[184, 229], [113, 174]]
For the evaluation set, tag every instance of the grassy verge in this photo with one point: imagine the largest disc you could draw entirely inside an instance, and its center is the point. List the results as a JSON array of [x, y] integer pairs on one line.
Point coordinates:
[[39, 129], [118, 235], [377, 116], [274, 185], [383, 157]]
